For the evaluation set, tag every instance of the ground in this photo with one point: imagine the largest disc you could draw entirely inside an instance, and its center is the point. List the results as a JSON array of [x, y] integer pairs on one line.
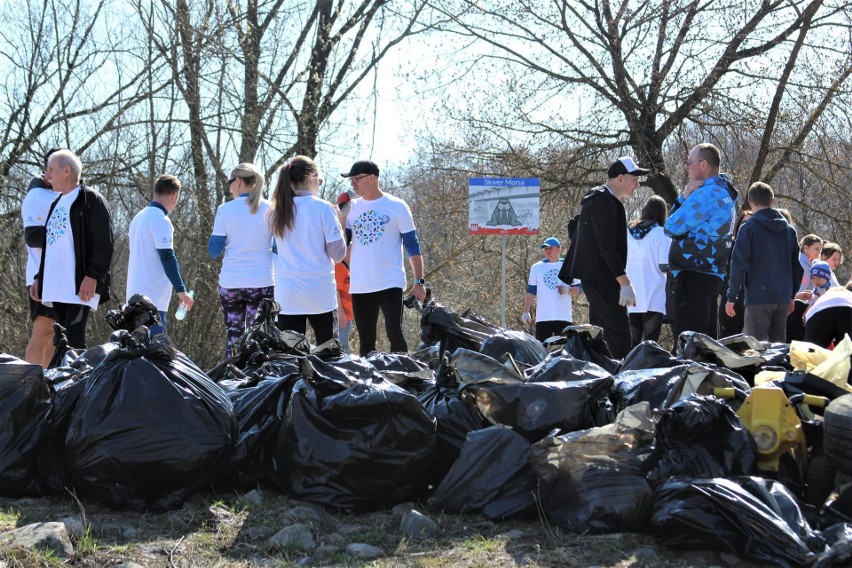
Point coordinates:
[[233, 531]]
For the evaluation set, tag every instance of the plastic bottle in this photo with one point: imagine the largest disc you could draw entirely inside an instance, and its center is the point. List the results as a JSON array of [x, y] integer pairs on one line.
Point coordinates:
[[180, 313]]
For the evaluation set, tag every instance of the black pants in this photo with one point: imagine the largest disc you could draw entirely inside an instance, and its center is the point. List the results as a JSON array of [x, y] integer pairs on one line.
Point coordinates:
[[322, 324], [605, 312], [73, 317], [366, 309], [547, 329], [829, 325], [697, 303], [645, 326]]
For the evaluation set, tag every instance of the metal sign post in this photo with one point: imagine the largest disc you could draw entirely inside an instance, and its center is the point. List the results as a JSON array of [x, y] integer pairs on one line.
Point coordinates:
[[503, 206]]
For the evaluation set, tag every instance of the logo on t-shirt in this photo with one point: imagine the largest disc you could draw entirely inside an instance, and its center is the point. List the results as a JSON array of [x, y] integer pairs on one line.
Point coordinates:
[[370, 226], [57, 225], [551, 279]]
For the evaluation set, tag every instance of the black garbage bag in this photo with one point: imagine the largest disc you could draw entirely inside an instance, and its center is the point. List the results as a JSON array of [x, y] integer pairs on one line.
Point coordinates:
[[740, 353], [352, 445], [441, 324], [149, 429], [594, 480], [62, 353], [402, 370], [259, 411], [648, 355], [701, 436], [751, 517], [456, 418], [139, 311], [839, 539], [523, 347], [24, 405], [472, 367], [586, 342], [565, 368], [645, 385], [703, 378], [492, 473], [534, 409]]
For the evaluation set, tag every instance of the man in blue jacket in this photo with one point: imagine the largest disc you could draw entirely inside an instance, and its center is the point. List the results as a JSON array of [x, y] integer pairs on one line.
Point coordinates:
[[700, 225], [766, 263]]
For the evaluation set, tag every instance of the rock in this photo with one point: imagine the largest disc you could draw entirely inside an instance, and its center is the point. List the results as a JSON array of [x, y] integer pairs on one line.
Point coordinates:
[[42, 536], [417, 525], [513, 534], [301, 513], [346, 530], [364, 551], [296, 536], [250, 499], [257, 533], [74, 526], [403, 508], [645, 554]]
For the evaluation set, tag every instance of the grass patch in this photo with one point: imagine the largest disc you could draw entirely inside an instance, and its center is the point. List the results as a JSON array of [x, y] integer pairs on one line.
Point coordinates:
[[478, 543]]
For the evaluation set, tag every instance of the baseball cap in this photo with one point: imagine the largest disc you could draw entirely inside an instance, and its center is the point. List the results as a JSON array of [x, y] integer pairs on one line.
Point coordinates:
[[821, 269], [551, 242], [362, 167], [625, 165]]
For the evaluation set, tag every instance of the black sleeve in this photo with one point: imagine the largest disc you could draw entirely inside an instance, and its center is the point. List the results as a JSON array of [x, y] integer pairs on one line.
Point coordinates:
[[604, 226], [100, 228], [34, 236]]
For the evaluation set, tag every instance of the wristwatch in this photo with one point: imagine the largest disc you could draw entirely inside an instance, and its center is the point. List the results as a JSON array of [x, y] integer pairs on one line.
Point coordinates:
[[416, 281]]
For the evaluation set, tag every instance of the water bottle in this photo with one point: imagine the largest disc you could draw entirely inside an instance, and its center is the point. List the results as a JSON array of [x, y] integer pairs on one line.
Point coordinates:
[[180, 313]]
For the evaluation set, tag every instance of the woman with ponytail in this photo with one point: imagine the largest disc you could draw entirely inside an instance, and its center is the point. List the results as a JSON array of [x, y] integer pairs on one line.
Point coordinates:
[[242, 232], [309, 240]]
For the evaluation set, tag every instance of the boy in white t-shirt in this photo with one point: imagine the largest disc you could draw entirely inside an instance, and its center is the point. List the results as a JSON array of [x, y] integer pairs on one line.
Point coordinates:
[[552, 296], [40, 196], [152, 269], [379, 226]]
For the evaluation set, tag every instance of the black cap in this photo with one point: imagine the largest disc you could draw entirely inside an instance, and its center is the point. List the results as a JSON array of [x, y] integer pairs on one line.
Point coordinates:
[[625, 165], [362, 167]]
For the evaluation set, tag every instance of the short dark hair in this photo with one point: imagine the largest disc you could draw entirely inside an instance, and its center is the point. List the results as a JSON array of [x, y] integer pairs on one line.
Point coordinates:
[[809, 240], [760, 194], [166, 184], [710, 154]]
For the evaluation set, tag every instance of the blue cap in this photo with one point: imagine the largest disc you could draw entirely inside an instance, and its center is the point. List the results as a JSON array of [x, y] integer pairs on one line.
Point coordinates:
[[551, 242], [821, 269]]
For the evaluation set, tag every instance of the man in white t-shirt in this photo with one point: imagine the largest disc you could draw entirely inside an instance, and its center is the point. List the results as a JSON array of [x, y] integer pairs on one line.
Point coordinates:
[[152, 269], [74, 275], [40, 196], [379, 226], [551, 296]]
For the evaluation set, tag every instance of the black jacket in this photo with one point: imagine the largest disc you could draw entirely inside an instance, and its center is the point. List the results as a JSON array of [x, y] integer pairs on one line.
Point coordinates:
[[598, 251], [91, 226]]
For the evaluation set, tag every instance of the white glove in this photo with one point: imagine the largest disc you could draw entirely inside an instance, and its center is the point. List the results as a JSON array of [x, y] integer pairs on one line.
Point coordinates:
[[526, 318], [627, 297]]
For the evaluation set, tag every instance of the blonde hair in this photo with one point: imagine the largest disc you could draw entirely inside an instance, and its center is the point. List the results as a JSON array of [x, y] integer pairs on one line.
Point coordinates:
[[252, 177]]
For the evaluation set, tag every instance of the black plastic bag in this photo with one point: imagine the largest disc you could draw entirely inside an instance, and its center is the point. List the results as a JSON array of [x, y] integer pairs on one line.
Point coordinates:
[[594, 480], [703, 379], [701, 436], [492, 474], [586, 342], [149, 429], [352, 445], [645, 385], [24, 405], [523, 347], [565, 368], [754, 518], [648, 355], [470, 367], [402, 370], [439, 323]]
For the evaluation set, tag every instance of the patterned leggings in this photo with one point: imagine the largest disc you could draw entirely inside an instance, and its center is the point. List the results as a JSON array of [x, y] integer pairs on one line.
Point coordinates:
[[239, 305]]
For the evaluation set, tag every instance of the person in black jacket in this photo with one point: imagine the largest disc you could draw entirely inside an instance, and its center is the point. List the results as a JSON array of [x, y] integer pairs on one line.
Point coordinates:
[[598, 254], [74, 276]]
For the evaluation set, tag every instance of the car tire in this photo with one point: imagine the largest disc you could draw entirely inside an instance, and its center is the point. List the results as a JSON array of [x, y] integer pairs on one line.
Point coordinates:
[[837, 435]]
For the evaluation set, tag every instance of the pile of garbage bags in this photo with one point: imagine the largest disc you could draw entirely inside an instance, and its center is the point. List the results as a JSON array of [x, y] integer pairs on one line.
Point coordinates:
[[479, 420]]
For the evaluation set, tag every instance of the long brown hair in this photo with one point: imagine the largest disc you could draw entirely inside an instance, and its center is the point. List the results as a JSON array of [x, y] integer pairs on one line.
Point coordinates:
[[282, 215], [655, 209]]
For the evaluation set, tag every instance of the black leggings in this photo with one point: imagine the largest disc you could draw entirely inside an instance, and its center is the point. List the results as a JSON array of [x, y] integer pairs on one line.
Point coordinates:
[[324, 325], [73, 317], [366, 308], [645, 326]]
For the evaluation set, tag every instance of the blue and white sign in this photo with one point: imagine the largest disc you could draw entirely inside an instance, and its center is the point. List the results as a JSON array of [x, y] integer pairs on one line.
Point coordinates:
[[504, 206]]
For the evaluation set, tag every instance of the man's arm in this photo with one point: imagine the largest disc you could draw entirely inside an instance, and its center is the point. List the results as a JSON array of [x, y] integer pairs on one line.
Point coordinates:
[[100, 227], [686, 213], [418, 290], [739, 263], [603, 223], [34, 236]]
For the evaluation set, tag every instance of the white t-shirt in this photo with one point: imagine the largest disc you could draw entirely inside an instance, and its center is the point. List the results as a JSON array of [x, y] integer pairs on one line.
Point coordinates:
[[377, 228], [834, 297], [550, 304], [34, 210], [248, 259], [150, 230], [304, 273], [644, 257], [59, 257]]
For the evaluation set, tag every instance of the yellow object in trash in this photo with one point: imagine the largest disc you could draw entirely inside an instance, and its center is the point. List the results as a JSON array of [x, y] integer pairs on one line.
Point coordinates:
[[833, 366], [773, 424]]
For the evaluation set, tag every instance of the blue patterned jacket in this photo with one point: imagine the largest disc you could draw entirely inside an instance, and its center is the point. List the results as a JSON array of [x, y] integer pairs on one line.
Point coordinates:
[[701, 227]]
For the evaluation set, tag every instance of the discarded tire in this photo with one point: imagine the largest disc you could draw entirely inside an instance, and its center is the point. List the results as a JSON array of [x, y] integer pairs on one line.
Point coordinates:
[[837, 437]]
